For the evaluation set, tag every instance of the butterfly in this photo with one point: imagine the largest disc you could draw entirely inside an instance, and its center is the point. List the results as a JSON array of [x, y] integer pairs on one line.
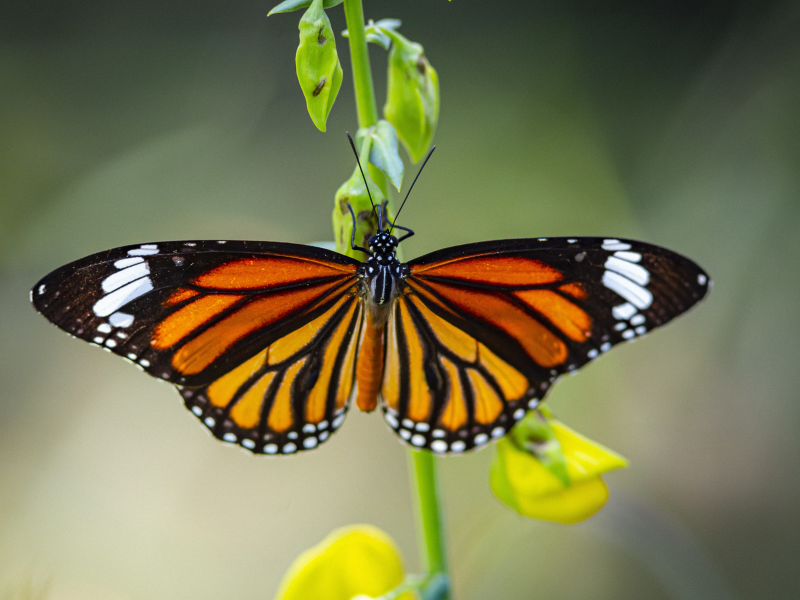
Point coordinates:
[[267, 342]]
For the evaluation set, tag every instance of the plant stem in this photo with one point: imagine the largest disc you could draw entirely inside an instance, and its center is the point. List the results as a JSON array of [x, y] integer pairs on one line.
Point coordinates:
[[422, 469], [422, 463], [366, 106]]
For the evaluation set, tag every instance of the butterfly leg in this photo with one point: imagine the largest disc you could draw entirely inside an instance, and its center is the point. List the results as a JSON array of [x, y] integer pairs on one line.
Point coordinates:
[[407, 235], [353, 236]]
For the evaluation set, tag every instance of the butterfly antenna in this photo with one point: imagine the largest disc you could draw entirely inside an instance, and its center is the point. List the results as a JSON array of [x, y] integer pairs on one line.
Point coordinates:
[[412, 186], [366, 185]]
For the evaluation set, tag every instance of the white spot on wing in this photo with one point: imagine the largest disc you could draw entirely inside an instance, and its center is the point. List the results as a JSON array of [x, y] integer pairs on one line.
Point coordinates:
[[519, 413], [422, 427], [623, 312], [310, 442], [290, 447], [104, 328], [635, 294], [144, 250], [127, 262], [115, 300], [629, 256], [637, 320], [418, 440], [229, 437], [592, 353], [438, 433], [197, 410], [439, 446], [111, 343], [458, 446], [120, 319], [270, 449], [405, 434], [634, 272], [615, 245], [391, 420], [41, 289], [249, 444], [481, 438], [498, 432], [628, 334], [125, 276], [701, 279]]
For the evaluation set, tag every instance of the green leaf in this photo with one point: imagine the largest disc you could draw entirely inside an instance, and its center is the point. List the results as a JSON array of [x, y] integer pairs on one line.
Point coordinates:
[[412, 100], [292, 5], [318, 69], [384, 153]]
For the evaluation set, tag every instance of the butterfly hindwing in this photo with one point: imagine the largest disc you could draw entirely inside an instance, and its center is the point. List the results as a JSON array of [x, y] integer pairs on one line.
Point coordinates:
[[293, 394], [539, 307]]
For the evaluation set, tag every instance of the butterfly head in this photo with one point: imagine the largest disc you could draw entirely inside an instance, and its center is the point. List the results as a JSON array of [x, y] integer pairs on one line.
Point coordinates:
[[383, 246]]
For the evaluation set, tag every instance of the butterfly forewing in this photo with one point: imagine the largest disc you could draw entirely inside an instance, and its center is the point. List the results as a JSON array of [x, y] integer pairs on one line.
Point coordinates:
[[484, 330]]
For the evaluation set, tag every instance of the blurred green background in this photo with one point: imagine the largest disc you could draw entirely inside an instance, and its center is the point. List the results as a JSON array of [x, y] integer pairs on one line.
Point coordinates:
[[674, 122]]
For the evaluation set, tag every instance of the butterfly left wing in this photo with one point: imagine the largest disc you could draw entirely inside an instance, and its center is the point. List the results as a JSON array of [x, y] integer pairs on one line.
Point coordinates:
[[258, 336], [482, 331]]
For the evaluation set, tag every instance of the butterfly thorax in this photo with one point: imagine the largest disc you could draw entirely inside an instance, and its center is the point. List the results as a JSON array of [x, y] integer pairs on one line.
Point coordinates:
[[382, 274]]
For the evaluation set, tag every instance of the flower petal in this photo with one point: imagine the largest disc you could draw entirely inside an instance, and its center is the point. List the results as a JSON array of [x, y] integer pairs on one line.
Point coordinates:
[[351, 561], [521, 481]]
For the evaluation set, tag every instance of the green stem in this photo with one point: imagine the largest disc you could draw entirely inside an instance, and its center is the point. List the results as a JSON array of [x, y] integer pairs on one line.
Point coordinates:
[[366, 106], [431, 543]]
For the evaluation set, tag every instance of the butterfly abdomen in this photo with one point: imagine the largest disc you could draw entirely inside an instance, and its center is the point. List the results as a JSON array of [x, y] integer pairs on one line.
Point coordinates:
[[369, 364]]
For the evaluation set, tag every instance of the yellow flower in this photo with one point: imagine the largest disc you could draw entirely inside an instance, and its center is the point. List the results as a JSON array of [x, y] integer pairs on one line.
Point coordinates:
[[550, 472], [359, 560]]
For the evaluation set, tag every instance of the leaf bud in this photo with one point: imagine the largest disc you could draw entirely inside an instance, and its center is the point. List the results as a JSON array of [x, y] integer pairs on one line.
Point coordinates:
[[412, 103], [318, 69]]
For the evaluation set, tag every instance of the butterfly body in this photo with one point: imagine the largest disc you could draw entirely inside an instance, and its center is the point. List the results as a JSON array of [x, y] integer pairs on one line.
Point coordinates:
[[266, 341]]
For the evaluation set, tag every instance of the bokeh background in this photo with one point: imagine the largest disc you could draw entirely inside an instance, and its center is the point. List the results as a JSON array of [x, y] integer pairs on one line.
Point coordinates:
[[674, 122]]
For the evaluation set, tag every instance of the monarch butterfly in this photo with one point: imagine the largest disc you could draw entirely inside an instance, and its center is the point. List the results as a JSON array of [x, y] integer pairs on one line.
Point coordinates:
[[266, 341]]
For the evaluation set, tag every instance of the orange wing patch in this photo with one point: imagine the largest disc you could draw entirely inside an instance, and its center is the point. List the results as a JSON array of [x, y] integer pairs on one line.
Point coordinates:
[[419, 405], [573, 321], [502, 270], [539, 343], [246, 413], [179, 296], [513, 383], [204, 349], [185, 320], [454, 414], [260, 273], [316, 403], [488, 404], [221, 392], [281, 416], [576, 290]]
